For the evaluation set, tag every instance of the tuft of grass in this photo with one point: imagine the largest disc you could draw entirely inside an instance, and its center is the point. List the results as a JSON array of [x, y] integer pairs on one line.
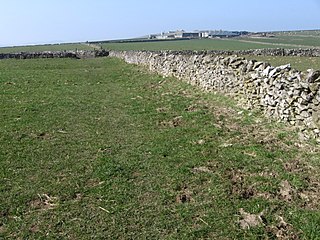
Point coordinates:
[[97, 148]]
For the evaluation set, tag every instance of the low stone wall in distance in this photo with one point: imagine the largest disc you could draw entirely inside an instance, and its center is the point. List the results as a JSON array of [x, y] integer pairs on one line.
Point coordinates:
[[298, 52], [55, 54], [281, 92]]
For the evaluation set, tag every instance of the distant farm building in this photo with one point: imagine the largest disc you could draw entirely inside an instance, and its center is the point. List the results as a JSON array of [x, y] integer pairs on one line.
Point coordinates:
[[181, 34], [175, 35], [190, 35], [224, 34]]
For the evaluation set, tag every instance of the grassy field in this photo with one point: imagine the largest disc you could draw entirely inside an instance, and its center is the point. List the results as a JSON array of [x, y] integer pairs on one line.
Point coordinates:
[[40, 48], [290, 39], [198, 44], [100, 149], [315, 33], [293, 41]]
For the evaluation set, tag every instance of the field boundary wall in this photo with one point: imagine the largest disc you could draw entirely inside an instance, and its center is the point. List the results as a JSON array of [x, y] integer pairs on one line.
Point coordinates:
[[281, 92], [55, 54]]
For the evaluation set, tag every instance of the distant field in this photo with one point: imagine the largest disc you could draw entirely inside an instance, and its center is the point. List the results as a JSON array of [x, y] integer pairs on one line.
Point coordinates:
[[294, 41], [39, 48], [299, 33], [202, 44], [308, 39]]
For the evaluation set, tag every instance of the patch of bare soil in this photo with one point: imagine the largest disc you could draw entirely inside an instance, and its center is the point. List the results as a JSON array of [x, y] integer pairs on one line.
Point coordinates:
[[175, 122], [10, 83], [184, 196], [294, 166], [308, 198], [249, 220], [238, 188], [44, 202], [203, 169], [34, 228], [44, 136], [265, 137], [311, 196], [41, 136], [286, 191], [283, 230], [192, 108], [162, 109]]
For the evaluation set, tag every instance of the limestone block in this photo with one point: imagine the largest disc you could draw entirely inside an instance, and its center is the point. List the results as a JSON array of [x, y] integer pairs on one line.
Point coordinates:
[[313, 76]]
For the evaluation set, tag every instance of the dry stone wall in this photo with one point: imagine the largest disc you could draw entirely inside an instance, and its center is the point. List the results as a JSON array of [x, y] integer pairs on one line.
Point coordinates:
[[55, 54], [281, 92], [299, 52]]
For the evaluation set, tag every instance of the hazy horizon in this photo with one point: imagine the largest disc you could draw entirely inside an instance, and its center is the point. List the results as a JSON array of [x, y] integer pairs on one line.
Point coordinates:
[[37, 22]]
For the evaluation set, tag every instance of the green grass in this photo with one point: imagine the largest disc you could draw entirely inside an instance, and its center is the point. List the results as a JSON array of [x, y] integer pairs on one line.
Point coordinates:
[[315, 33], [198, 44], [40, 48], [290, 39], [100, 149], [304, 41]]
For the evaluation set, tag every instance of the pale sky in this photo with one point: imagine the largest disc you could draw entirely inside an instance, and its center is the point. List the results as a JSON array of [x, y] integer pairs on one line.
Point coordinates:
[[51, 21]]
